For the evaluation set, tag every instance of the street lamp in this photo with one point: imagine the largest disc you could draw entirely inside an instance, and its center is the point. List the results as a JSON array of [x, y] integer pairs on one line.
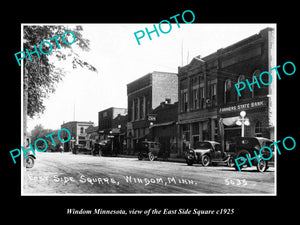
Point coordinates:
[[243, 121]]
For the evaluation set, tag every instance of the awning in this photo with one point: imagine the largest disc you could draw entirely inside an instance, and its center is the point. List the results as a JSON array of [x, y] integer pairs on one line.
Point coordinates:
[[162, 124], [230, 121], [193, 120]]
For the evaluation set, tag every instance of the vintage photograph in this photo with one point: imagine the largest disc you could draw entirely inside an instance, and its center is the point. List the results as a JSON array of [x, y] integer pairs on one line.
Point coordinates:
[[130, 109]]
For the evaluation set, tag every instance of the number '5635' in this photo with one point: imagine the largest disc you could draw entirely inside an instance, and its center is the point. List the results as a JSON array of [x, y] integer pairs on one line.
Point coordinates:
[[236, 182]]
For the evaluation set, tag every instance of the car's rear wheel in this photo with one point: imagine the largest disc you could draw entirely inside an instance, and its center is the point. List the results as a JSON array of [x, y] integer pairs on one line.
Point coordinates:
[[262, 166], [205, 159]]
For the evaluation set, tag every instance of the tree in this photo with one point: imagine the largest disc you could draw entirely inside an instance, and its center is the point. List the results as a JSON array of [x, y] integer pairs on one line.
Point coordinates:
[[41, 75]]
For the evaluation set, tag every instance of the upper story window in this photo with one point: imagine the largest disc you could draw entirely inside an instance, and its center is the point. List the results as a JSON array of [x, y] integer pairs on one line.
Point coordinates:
[[184, 100], [227, 91], [142, 107], [183, 95], [201, 97], [213, 94], [255, 88], [241, 78]]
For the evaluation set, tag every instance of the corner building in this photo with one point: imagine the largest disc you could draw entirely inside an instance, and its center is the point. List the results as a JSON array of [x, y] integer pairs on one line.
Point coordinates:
[[144, 95], [209, 104]]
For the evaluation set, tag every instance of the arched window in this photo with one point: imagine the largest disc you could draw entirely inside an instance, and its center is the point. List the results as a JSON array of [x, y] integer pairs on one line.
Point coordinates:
[[227, 91], [254, 87], [242, 92], [81, 130]]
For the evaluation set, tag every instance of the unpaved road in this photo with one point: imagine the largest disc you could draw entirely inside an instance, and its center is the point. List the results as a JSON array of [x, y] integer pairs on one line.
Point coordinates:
[[65, 173]]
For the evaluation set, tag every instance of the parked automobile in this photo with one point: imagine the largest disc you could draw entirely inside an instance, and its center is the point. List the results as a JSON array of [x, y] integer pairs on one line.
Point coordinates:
[[246, 146], [80, 148], [96, 149], [149, 149], [29, 161], [207, 153]]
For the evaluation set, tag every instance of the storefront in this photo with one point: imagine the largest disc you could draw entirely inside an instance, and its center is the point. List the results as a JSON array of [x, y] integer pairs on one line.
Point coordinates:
[[194, 130], [256, 113]]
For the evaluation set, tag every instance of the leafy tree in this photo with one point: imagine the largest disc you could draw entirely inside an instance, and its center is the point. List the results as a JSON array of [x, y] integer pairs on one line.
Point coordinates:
[[40, 74]]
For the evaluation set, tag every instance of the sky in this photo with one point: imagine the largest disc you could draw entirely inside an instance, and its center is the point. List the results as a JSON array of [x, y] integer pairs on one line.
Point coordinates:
[[119, 60]]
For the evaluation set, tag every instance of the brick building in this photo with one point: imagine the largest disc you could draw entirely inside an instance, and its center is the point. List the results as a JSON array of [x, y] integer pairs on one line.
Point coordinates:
[[108, 121], [164, 127], [112, 124], [78, 133], [209, 105], [144, 95]]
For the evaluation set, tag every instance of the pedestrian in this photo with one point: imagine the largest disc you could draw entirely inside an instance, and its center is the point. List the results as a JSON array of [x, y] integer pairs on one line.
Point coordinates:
[[61, 148]]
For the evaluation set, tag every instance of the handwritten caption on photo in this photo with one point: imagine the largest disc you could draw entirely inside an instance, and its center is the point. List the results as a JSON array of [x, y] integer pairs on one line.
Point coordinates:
[[83, 179]]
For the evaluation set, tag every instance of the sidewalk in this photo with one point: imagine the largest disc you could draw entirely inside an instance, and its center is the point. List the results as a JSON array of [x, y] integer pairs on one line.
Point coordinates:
[[170, 159]]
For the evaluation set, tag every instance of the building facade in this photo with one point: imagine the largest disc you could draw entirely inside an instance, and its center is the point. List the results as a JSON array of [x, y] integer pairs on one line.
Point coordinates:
[[78, 133], [144, 95], [106, 120], [209, 104], [164, 127], [112, 124]]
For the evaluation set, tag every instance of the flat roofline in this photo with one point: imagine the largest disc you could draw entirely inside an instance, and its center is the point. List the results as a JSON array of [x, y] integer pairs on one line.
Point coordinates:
[[151, 73], [90, 122]]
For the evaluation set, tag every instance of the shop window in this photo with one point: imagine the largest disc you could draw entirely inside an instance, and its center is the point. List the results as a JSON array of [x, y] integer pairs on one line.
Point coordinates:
[[258, 127], [186, 132], [195, 128], [227, 91]]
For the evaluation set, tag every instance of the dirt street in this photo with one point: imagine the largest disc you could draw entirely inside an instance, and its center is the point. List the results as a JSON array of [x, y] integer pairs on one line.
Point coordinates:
[[65, 173]]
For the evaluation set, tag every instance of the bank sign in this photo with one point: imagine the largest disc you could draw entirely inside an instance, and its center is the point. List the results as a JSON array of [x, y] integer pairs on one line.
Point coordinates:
[[244, 106]]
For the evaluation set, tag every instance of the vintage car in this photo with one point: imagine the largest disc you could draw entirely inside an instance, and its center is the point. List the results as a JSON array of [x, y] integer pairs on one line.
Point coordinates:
[[246, 146], [207, 153], [149, 149], [104, 148], [29, 161]]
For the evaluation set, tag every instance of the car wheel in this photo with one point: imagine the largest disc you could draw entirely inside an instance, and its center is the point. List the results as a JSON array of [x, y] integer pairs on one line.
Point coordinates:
[[242, 153], [189, 162], [262, 166], [140, 156], [230, 162], [151, 156], [29, 162], [205, 160]]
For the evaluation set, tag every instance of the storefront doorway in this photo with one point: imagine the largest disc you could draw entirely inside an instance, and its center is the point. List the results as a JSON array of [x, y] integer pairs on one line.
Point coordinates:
[[230, 132]]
